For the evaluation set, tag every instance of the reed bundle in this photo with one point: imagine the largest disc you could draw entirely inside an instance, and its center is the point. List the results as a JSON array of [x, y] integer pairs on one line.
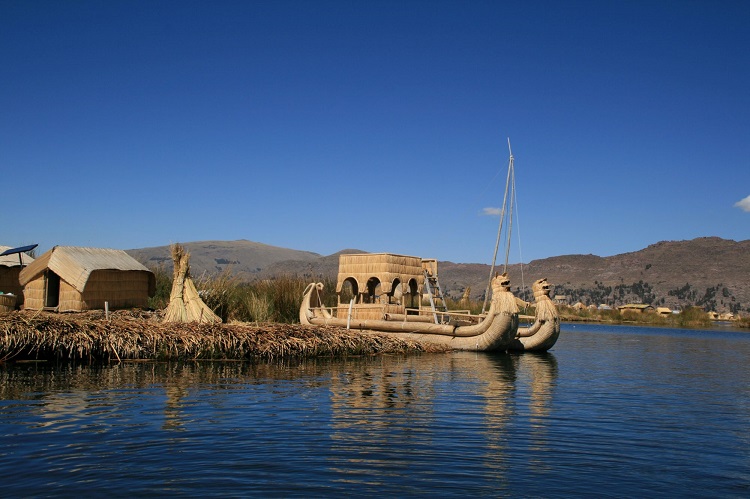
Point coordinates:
[[91, 337], [185, 304]]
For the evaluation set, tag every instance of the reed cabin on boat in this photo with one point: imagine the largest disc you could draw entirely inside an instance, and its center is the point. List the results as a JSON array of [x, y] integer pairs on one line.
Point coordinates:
[[370, 285]]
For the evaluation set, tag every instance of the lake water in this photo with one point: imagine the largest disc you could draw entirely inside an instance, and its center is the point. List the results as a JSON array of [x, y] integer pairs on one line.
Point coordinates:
[[612, 411]]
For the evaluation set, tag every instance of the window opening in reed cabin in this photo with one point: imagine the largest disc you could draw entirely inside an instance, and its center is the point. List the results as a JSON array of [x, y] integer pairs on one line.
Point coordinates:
[[414, 298], [373, 290], [397, 292], [349, 290]]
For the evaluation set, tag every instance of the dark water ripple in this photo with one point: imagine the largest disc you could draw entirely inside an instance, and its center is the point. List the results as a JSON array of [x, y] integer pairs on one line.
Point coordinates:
[[611, 412]]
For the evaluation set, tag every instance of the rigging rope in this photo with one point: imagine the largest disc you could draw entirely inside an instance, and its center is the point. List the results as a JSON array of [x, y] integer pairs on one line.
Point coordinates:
[[499, 230]]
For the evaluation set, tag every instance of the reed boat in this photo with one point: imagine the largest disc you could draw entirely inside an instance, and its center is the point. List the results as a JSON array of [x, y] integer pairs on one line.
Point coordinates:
[[386, 293], [383, 293]]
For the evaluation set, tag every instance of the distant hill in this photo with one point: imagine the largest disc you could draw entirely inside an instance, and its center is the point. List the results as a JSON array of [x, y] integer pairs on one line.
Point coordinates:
[[710, 272], [246, 259]]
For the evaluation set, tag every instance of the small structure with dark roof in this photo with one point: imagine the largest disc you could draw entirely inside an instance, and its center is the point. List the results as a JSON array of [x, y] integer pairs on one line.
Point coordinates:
[[12, 260], [636, 307]]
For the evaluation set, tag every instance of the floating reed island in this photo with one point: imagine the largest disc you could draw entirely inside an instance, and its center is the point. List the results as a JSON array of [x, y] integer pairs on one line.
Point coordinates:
[[141, 335]]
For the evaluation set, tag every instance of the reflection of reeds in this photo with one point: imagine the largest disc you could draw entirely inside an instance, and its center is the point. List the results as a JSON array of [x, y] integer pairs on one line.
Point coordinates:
[[91, 337]]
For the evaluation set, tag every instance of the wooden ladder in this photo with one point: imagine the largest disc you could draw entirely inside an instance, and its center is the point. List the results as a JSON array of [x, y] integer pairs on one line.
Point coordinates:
[[436, 294]]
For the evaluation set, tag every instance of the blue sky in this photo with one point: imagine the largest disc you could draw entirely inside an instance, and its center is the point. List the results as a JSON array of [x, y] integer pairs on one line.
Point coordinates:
[[381, 126]]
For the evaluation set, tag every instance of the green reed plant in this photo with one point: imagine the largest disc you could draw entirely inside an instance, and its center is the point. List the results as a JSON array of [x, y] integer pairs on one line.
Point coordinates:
[[271, 300], [473, 306], [693, 317], [160, 300], [256, 307], [221, 293]]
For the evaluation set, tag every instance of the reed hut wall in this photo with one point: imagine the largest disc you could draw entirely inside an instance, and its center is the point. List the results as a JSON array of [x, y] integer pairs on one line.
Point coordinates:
[[386, 267], [118, 288], [33, 294]]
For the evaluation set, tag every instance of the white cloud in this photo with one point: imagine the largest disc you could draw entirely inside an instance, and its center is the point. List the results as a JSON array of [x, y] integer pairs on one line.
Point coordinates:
[[495, 212], [743, 204]]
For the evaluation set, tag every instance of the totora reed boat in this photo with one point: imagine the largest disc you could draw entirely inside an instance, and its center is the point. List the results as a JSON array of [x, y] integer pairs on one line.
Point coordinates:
[[383, 293], [390, 302]]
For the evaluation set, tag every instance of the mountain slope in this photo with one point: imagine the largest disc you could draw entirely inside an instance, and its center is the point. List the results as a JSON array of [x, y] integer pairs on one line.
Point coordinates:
[[246, 259]]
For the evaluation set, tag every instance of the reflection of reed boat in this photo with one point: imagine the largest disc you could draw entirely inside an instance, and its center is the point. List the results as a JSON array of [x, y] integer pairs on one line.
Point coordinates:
[[386, 290]]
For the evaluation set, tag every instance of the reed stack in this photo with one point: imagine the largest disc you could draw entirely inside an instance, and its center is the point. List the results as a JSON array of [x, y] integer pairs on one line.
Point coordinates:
[[185, 304]]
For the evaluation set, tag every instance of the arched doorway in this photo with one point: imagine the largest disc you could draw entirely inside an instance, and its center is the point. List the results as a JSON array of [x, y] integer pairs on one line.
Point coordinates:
[[412, 299], [373, 290], [349, 290], [397, 292]]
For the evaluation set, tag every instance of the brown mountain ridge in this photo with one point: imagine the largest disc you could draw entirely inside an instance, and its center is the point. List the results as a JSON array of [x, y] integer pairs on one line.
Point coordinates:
[[710, 272]]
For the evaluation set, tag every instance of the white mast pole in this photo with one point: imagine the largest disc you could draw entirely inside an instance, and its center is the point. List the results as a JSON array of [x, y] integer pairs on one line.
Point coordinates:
[[499, 230]]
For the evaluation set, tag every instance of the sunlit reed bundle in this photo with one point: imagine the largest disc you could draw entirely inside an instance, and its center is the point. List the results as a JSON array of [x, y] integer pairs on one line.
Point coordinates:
[[185, 305]]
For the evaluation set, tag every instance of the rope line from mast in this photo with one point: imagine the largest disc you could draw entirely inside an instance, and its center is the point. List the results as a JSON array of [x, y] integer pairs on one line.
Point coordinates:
[[499, 229]]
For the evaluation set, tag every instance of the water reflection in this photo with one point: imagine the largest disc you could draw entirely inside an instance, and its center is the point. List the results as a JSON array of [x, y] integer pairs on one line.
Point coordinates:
[[395, 411], [629, 410], [390, 392]]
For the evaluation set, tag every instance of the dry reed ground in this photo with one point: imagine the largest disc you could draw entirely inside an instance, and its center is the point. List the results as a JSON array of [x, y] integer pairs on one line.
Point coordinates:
[[141, 335]]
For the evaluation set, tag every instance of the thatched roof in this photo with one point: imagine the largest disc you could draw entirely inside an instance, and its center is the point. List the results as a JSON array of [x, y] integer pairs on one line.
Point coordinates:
[[12, 260], [75, 264], [640, 307]]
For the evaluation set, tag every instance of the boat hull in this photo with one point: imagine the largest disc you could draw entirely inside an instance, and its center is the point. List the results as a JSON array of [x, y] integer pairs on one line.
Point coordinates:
[[543, 336], [496, 331], [543, 333]]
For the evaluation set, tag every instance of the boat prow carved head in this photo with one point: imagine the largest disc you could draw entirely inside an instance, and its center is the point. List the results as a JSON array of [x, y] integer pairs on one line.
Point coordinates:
[[541, 288], [501, 283]]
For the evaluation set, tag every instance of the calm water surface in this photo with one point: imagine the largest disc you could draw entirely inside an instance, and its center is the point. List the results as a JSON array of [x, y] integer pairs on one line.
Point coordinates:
[[611, 411]]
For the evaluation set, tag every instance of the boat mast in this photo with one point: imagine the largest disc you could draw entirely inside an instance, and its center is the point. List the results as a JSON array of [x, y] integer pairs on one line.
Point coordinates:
[[511, 203], [510, 183]]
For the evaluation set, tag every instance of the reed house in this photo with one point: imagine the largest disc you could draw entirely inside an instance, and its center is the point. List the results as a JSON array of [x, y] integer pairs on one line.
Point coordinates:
[[74, 279]]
